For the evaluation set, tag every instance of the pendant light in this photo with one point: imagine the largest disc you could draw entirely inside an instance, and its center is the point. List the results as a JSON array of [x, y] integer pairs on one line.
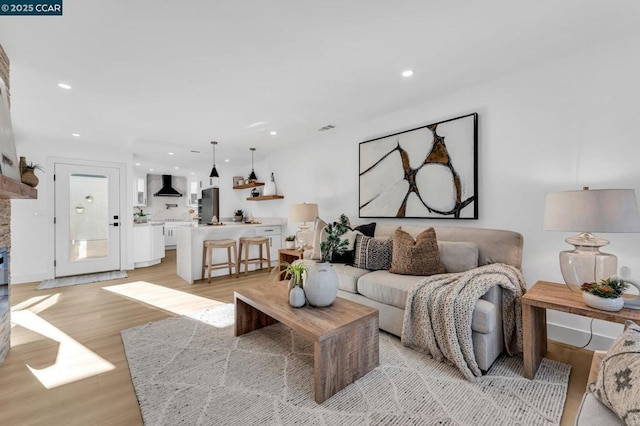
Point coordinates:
[[252, 176], [214, 171]]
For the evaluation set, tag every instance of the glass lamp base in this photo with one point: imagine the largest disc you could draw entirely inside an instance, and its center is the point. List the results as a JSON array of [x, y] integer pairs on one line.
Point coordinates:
[[304, 237], [586, 263]]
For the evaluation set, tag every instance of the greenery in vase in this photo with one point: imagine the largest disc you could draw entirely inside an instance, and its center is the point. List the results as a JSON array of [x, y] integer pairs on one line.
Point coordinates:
[[610, 288], [33, 166], [290, 238], [297, 271], [238, 213], [335, 244]]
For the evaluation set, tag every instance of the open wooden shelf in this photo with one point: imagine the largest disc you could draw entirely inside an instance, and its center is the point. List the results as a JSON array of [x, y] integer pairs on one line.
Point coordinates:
[[266, 197], [11, 188], [249, 185]]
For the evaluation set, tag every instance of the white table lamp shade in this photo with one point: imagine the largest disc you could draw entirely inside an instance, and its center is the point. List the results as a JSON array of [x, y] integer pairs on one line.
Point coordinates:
[[303, 212], [586, 211]]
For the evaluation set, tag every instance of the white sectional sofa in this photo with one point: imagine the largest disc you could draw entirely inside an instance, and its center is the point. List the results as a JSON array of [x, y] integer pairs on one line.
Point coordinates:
[[460, 249]]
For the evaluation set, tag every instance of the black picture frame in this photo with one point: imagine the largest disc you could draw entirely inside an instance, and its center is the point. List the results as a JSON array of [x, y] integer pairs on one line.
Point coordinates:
[[429, 172]]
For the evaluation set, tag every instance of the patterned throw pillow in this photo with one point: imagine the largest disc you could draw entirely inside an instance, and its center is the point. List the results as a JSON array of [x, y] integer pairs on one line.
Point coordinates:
[[372, 254], [618, 382], [419, 257]]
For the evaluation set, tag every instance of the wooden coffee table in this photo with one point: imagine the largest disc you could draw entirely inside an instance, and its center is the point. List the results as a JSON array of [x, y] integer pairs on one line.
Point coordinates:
[[345, 334]]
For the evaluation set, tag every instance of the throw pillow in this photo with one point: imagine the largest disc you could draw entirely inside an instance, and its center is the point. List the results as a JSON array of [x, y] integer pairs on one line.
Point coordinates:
[[458, 256], [348, 256], [372, 254], [416, 257], [318, 237], [618, 382], [368, 229]]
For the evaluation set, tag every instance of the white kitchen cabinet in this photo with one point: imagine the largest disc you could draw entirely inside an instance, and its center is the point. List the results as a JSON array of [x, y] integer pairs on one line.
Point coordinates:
[[193, 187], [148, 244], [275, 240], [170, 235], [140, 191]]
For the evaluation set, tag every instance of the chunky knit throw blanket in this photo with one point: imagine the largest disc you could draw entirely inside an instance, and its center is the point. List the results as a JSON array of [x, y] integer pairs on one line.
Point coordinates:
[[438, 314]]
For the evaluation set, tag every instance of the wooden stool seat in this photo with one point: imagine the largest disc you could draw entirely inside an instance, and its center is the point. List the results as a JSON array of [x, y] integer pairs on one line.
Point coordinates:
[[246, 242], [207, 256]]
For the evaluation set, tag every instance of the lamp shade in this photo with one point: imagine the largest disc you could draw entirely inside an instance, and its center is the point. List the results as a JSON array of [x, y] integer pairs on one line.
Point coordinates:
[[592, 210], [303, 212]]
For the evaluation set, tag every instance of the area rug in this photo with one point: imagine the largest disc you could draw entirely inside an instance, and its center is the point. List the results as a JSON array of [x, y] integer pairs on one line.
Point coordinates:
[[81, 279], [191, 370]]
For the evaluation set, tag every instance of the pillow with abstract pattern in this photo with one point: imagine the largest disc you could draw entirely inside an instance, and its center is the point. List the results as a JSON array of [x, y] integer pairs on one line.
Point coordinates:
[[618, 382], [372, 254], [416, 257]]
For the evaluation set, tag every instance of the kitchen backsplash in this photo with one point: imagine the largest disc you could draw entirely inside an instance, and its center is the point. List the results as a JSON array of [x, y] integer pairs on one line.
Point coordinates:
[[157, 206]]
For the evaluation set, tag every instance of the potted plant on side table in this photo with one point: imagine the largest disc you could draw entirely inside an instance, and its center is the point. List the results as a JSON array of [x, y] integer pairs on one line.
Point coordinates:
[[605, 295]]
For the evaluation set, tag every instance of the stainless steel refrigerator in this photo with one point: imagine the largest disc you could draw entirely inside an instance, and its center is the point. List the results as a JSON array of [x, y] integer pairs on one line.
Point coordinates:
[[209, 205]]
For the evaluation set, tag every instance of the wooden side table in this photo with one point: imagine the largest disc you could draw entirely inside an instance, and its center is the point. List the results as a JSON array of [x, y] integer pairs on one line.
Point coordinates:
[[546, 295], [289, 256]]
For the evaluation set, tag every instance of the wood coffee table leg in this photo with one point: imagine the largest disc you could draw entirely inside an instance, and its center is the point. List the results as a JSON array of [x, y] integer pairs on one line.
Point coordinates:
[[534, 335], [344, 357], [249, 318]]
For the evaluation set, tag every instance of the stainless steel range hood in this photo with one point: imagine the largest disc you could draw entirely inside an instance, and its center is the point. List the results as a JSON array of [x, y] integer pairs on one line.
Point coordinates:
[[167, 190]]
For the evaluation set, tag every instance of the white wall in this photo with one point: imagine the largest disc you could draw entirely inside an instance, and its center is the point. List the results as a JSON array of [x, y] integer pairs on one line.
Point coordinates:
[[557, 126]]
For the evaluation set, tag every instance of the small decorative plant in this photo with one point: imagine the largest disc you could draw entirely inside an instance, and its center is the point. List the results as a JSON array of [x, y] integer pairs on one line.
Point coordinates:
[[294, 270], [32, 167], [610, 288], [335, 244], [290, 238], [238, 213]]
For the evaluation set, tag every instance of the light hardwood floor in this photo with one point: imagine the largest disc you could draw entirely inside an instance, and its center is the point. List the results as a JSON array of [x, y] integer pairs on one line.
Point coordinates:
[[67, 364]]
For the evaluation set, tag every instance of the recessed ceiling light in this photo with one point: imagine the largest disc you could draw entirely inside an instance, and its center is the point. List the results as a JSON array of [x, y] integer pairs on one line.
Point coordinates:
[[407, 73], [176, 167], [137, 164], [226, 160], [192, 173], [75, 135], [64, 86], [273, 133], [150, 170], [171, 153]]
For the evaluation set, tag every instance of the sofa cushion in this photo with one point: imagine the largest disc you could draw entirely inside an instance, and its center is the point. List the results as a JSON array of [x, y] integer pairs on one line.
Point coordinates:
[[416, 257], [458, 256], [372, 254], [348, 277], [393, 289], [618, 382]]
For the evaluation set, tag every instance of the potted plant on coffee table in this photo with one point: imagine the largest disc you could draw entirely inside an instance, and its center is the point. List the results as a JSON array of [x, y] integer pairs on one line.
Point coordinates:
[[605, 295]]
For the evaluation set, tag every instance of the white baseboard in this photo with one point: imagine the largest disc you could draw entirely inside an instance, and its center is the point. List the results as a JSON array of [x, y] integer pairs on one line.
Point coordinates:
[[578, 338], [28, 278]]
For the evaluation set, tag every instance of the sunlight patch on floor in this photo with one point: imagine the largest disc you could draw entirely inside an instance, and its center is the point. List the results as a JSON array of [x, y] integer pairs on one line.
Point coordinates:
[[175, 301], [33, 301], [73, 361]]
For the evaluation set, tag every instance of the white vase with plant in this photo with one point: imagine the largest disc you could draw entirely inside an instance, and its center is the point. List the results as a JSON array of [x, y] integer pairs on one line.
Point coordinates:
[[290, 242], [605, 295], [298, 272]]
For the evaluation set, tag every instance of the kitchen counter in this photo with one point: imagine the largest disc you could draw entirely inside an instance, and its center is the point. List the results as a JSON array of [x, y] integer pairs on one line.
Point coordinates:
[[153, 223], [190, 238]]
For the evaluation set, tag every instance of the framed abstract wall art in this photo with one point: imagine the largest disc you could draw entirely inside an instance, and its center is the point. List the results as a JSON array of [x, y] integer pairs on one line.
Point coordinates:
[[427, 172]]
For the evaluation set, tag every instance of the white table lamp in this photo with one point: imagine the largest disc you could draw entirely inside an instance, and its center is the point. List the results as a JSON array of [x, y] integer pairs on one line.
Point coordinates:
[[303, 213], [586, 211]]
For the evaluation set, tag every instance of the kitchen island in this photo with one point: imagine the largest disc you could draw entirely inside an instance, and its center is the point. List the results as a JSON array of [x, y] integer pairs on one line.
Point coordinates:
[[190, 238]]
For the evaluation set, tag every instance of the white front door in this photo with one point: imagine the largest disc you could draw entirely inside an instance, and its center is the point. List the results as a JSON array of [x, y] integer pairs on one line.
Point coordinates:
[[87, 219]]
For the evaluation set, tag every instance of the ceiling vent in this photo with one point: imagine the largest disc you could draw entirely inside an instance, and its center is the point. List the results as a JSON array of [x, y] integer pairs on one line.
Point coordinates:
[[327, 127]]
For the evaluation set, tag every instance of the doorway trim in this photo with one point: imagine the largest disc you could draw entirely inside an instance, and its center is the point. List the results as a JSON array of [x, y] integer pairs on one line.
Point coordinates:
[[125, 206]]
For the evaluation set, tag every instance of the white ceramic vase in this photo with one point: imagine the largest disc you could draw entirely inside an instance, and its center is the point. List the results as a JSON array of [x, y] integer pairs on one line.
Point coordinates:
[[296, 297], [321, 285], [605, 304], [270, 187]]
